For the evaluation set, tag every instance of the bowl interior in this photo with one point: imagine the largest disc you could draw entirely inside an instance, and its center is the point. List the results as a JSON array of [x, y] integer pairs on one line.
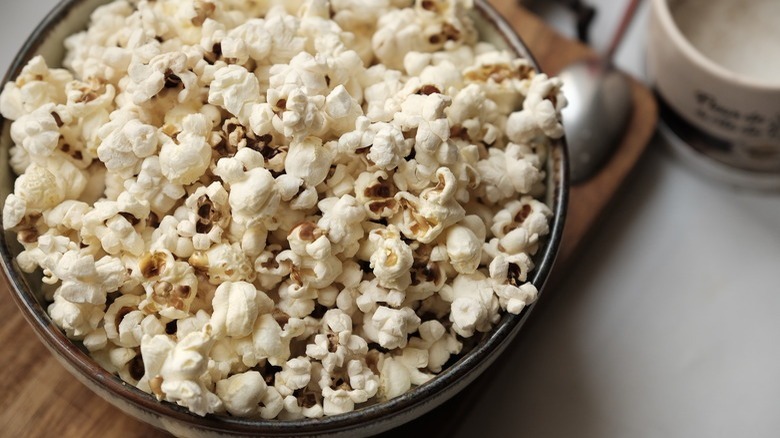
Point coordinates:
[[71, 16]]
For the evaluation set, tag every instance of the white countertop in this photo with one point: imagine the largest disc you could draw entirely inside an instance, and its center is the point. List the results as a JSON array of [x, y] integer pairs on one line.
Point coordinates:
[[667, 325]]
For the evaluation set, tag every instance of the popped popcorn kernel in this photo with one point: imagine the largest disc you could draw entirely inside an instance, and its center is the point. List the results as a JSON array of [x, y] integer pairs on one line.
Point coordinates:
[[280, 210]]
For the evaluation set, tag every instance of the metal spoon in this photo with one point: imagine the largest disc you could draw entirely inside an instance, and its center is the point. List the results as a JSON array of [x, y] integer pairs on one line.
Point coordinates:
[[600, 106]]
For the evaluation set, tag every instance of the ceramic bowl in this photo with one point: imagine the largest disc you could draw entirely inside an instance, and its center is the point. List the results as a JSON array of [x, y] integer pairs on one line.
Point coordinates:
[[71, 16]]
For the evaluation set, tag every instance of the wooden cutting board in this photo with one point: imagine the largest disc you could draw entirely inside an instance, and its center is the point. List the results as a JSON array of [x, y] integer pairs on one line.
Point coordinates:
[[39, 398]]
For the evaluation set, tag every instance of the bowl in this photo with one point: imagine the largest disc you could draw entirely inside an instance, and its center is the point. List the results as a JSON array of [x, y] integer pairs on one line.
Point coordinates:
[[71, 16]]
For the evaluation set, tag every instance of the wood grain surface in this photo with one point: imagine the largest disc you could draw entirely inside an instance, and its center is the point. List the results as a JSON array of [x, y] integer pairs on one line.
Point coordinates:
[[39, 398]]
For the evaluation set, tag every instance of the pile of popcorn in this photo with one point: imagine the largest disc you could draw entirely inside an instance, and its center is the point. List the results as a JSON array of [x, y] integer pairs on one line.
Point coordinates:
[[280, 209]]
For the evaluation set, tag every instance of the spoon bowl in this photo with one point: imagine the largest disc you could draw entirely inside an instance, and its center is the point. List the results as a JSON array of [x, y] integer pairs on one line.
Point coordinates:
[[599, 108]]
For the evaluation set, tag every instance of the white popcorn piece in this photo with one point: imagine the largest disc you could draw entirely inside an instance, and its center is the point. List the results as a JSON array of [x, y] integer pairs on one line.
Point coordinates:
[[362, 380], [341, 111], [155, 351], [474, 306], [336, 401], [337, 346], [394, 379], [391, 327], [38, 188], [520, 225], [185, 159], [382, 87], [427, 114], [36, 86], [272, 404], [161, 71], [250, 40], [235, 88], [497, 184], [541, 112], [18, 159], [464, 249], [205, 217], [14, 210], [106, 226], [166, 237], [424, 218], [388, 146], [85, 280], [37, 132], [152, 185], [95, 340], [253, 193], [439, 344], [181, 372], [268, 341], [308, 160], [224, 262], [242, 393], [376, 192], [236, 306], [295, 374], [392, 258], [341, 219], [371, 294], [116, 329], [509, 275], [193, 323], [76, 319], [397, 33]]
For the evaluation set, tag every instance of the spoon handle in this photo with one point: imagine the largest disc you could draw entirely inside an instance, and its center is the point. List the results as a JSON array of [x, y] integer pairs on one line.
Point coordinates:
[[617, 38]]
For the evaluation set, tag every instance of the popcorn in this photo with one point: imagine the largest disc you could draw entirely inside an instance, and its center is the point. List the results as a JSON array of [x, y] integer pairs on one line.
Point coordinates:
[[85, 280], [464, 249], [295, 374], [520, 224], [505, 78], [242, 393], [185, 159], [166, 70], [36, 86], [124, 144], [474, 305], [268, 342], [391, 259], [394, 379], [340, 220], [235, 89], [170, 285], [391, 327], [116, 328], [76, 319], [424, 218], [181, 372], [438, 343], [541, 111], [377, 194], [280, 209], [37, 132], [338, 345], [388, 146], [14, 210], [250, 40], [253, 193], [308, 160], [236, 306]]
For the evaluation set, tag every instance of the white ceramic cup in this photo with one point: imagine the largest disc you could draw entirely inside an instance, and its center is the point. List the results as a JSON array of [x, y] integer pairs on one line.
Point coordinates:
[[737, 111]]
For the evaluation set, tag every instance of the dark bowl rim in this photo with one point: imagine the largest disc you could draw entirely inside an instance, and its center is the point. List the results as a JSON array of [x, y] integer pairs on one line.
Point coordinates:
[[385, 412]]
